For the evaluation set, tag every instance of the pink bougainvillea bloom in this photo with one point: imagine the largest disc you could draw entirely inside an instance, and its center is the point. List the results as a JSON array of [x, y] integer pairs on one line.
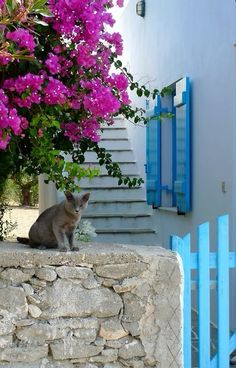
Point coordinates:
[[125, 98], [28, 88], [120, 3], [5, 58], [85, 129], [52, 63], [75, 73], [24, 123], [55, 92], [40, 133], [120, 81], [4, 140], [23, 38], [9, 120], [29, 81]]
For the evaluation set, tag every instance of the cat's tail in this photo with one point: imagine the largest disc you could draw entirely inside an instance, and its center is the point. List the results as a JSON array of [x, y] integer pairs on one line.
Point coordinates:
[[22, 240]]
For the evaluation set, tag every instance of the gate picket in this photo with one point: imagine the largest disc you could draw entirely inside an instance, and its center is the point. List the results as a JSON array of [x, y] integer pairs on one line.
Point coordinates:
[[203, 261]]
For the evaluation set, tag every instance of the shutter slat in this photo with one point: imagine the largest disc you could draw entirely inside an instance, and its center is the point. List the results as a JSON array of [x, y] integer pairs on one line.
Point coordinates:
[[183, 175], [153, 148]]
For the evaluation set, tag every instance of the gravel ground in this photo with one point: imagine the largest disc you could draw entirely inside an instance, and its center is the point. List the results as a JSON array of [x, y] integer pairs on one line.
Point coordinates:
[[24, 218]]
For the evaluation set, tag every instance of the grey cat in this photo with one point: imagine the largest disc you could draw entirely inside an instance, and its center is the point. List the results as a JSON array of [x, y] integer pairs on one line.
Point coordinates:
[[55, 227]]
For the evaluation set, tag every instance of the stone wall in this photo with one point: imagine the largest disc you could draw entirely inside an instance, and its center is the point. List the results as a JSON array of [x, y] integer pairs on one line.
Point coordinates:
[[106, 306]]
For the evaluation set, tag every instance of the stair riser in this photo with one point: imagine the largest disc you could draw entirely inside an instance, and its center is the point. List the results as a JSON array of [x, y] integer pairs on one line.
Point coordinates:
[[114, 133], [118, 123], [127, 169], [139, 239], [118, 222], [113, 207], [117, 156], [99, 181], [115, 144], [112, 194]]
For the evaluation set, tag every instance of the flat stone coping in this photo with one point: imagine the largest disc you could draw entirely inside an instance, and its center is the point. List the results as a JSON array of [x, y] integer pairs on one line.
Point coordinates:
[[13, 254]]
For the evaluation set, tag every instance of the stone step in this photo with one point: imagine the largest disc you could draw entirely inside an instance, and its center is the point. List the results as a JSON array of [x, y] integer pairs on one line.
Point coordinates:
[[118, 123], [117, 156], [127, 236], [121, 206], [119, 220], [114, 133], [127, 168], [114, 193], [115, 144], [118, 213], [103, 180]]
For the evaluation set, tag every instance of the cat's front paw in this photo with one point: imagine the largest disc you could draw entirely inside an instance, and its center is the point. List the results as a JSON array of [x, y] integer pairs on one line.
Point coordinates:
[[75, 249], [63, 249]]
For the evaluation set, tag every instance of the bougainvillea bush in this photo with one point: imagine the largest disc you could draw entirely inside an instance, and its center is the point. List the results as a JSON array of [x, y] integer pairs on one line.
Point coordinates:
[[57, 90]]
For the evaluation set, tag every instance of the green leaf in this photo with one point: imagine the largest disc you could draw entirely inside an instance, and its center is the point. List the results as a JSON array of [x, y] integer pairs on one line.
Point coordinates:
[[118, 64], [10, 5], [39, 4], [147, 93], [44, 12], [41, 22], [139, 92]]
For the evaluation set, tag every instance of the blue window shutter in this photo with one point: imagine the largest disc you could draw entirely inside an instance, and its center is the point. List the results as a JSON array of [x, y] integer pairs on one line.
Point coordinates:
[[153, 155], [182, 184]]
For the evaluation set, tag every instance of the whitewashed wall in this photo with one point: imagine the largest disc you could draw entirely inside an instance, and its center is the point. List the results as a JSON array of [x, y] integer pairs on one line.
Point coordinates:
[[179, 38], [195, 39]]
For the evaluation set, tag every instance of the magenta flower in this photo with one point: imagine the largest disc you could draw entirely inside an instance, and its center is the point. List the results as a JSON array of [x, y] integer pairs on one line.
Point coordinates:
[[4, 140], [5, 59], [56, 93], [27, 87], [75, 71], [9, 120], [52, 63], [85, 129], [120, 3], [120, 81], [22, 38]]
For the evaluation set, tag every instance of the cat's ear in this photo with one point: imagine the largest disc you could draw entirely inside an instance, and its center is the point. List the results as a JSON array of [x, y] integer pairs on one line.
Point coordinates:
[[69, 196], [85, 197]]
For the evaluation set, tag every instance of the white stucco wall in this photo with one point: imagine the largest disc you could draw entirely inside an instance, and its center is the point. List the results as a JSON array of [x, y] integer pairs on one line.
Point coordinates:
[[184, 38], [195, 39]]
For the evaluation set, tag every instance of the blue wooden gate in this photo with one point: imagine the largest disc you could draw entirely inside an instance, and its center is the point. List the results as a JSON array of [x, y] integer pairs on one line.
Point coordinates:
[[203, 261]]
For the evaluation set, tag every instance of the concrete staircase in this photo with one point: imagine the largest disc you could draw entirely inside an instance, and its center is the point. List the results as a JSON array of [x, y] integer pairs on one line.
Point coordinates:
[[118, 213]]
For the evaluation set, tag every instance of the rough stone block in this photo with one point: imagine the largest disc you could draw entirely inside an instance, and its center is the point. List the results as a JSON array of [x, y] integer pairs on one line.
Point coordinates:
[[87, 335], [34, 311], [15, 276], [42, 363], [107, 306], [67, 299], [121, 271], [71, 348], [6, 326], [131, 350], [66, 272], [75, 323], [5, 341], [23, 353], [13, 300], [46, 274], [40, 332], [112, 330], [107, 356]]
